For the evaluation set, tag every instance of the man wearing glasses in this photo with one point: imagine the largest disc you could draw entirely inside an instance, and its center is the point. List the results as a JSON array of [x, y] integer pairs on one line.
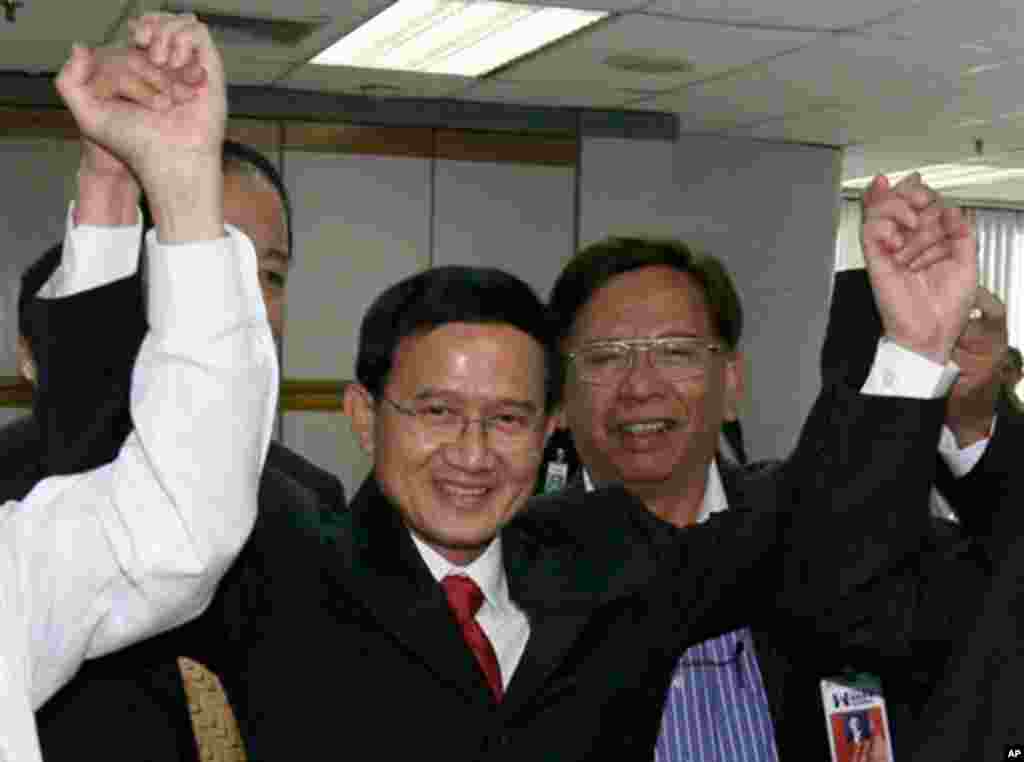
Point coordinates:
[[650, 332]]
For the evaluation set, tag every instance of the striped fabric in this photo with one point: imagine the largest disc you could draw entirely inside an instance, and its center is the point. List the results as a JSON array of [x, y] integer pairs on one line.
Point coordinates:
[[717, 709]]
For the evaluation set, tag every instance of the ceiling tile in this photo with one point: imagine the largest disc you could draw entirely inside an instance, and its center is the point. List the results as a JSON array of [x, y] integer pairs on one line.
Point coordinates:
[[375, 82], [87, 22], [983, 25], [246, 70], [708, 47], [821, 14], [592, 5]]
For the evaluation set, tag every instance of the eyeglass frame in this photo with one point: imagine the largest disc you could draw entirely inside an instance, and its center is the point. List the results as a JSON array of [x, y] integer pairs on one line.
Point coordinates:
[[485, 426], [634, 346]]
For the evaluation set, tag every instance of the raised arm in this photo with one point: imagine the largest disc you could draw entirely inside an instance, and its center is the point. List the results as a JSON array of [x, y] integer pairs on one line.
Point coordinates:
[[101, 559]]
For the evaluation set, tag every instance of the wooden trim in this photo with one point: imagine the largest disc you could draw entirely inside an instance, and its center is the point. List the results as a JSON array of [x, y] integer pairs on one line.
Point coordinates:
[[312, 394], [255, 133], [37, 123], [496, 147], [417, 142], [15, 392], [350, 138], [305, 394]]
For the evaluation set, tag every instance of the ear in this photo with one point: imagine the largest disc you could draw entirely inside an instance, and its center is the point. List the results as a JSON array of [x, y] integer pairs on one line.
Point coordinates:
[[357, 404], [26, 362], [735, 385]]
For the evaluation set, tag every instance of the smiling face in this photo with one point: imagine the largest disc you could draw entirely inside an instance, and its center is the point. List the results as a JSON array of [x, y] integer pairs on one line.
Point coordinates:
[[252, 205], [456, 492], [651, 433]]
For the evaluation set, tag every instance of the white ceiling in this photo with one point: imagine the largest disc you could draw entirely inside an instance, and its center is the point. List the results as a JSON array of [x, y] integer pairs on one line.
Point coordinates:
[[899, 82]]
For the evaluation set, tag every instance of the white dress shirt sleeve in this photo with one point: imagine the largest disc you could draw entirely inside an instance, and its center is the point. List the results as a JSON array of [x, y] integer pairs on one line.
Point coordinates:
[[898, 372], [92, 562], [93, 256]]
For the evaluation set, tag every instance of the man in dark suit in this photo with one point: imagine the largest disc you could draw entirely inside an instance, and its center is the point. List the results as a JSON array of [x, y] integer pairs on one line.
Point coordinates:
[[85, 346], [21, 442], [583, 602], [649, 420]]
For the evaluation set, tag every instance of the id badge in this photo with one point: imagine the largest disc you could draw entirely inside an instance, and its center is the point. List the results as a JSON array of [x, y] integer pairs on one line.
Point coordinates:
[[557, 474], [858, 725]]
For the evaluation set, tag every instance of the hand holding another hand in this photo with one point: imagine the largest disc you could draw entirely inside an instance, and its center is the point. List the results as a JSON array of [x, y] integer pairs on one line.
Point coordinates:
[[922, 261], [158, 106]]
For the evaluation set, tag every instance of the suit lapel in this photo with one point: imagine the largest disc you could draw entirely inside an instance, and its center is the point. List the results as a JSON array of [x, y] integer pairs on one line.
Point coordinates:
[[553, 627], [378, 567]]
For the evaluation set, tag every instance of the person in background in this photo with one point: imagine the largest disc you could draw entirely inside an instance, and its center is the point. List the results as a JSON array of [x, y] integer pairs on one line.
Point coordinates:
[[21, 440]]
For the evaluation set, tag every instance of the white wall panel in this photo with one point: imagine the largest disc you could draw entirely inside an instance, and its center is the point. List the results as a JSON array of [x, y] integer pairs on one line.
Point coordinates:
[[38, 177], [517, 217], [361, 224]]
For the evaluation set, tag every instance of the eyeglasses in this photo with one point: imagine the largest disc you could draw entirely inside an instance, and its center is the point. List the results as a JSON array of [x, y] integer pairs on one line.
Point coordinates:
[[606, 362], [508, 430]]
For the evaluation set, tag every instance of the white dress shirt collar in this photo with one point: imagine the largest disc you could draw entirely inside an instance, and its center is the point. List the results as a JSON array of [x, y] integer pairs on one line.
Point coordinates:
[[487, 571]]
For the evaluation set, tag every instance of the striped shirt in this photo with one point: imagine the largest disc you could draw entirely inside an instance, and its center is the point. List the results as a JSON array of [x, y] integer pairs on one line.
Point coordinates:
[[717, 708]]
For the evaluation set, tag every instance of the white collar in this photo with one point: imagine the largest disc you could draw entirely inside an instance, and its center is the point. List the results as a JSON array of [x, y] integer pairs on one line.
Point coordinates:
[[487, 570], [714, 501]]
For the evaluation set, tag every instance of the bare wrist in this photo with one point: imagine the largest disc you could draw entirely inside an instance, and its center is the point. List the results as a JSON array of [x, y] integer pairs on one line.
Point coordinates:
[[187, 202], [106, 198]]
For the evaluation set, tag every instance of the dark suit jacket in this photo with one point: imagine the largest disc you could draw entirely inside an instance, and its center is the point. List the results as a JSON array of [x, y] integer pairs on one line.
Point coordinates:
[[21, 455], [83, 406], [321, 638], [975, 711]]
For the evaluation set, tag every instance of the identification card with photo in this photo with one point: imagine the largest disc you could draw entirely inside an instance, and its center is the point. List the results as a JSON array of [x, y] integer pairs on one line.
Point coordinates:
[[855, 714]]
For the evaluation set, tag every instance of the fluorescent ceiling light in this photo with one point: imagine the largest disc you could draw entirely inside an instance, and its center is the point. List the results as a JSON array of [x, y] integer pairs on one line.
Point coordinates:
[[940, 176], [462, 37]]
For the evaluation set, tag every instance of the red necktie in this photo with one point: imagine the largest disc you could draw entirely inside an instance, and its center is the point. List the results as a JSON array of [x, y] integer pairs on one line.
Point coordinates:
[[465, 599]]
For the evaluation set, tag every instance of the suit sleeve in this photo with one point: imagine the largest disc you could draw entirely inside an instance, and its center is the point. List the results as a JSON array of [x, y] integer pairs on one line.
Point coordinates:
[[821, 540]]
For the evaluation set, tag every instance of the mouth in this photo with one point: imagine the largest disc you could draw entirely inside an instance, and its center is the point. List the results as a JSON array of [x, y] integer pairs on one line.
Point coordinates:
[[646, 427], [462, 493]]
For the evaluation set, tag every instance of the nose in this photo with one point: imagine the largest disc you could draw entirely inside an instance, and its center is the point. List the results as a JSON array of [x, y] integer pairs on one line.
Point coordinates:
[[641, 379], [470, 449]]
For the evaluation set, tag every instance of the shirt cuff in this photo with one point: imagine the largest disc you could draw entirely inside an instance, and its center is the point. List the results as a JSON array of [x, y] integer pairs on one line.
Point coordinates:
[[229, 278], [93, 256], [961, 461], [899, 372]]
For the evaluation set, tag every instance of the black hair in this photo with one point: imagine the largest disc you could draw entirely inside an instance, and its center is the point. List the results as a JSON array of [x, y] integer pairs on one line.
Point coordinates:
[[592, 268], [453, 294], [33, 279]]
